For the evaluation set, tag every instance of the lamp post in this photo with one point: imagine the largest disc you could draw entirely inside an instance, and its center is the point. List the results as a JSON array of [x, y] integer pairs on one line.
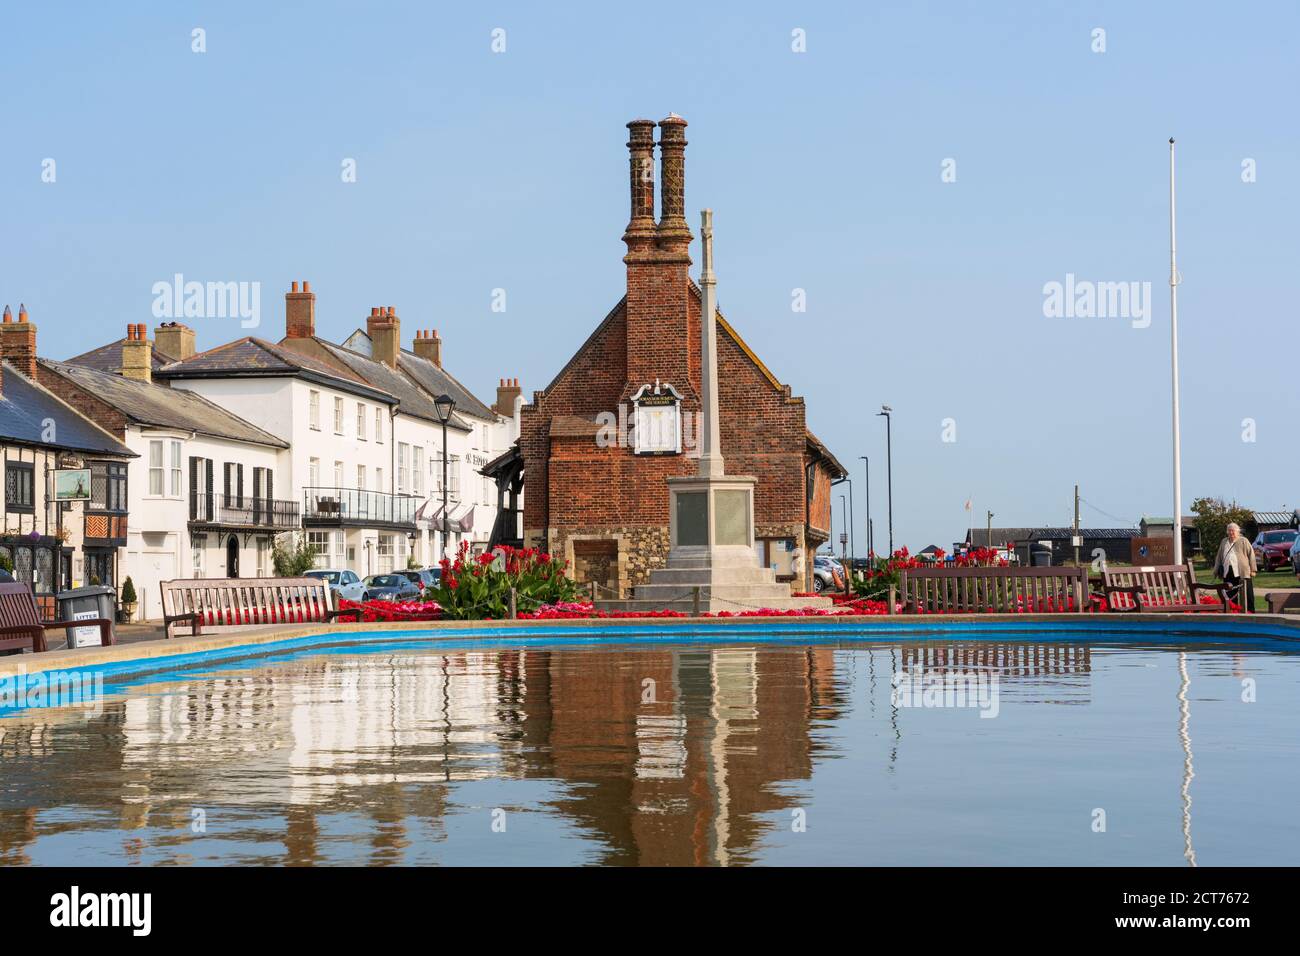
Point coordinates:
[[444, 404], [866, 474], [887, 413], [844, 535]]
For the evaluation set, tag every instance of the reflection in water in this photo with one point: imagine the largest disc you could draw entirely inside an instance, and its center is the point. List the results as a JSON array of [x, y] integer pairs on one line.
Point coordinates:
[[633, 754], [1184, 712]]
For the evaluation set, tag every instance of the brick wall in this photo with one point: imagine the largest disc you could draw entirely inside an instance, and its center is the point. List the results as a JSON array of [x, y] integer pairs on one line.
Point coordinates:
[[96, 409]]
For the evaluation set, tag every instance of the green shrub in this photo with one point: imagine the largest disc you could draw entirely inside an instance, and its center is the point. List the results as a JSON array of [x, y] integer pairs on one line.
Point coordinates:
[[293, 559], [128, 591], [1213, 515], [473, 588], [6, 563]]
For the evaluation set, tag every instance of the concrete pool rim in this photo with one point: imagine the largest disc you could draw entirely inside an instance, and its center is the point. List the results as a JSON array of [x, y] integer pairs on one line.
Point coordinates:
[[258, 642]]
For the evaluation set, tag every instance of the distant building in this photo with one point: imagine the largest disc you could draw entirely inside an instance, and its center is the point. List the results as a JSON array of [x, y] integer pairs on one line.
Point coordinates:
[[1114, 543], [1162, 527], [54, 545]]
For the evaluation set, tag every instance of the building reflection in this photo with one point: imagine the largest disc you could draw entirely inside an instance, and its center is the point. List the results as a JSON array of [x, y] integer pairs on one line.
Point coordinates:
[[672, 755]]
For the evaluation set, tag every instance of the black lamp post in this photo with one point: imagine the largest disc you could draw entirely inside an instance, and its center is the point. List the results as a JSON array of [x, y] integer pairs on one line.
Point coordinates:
[[445, 405], [866, 474], [887, 412]]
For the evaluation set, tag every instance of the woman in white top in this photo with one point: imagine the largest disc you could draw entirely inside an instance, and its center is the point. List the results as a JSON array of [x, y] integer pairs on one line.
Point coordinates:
[[1235, 564]]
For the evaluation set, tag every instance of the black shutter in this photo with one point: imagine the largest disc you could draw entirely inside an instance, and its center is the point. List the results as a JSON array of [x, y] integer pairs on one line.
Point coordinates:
[[270, 496], [225, 480], [208, 479], [194, 487], [239, 484], [257, 495]]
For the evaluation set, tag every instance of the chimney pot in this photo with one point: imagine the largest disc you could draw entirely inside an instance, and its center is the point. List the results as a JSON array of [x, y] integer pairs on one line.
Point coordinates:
[[294, 286], [306, 286], [22, 312]]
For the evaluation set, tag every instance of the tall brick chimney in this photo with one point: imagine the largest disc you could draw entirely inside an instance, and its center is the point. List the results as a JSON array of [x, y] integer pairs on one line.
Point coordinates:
[[137, 359], [385, 331], [174, 339], [300, 312], [658, 261], [18, 341], [507, 391], [429, 346]]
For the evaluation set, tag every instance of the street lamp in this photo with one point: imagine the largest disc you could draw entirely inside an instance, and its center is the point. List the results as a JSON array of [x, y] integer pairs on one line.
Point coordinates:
[[866, 473], [444, 404], [886, 412]]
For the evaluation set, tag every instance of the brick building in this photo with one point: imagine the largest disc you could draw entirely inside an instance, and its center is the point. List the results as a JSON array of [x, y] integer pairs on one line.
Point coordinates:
[[599, 442]]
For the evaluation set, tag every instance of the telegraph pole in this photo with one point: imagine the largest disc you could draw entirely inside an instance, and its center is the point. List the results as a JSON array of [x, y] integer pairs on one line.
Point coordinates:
[[1076, 526]]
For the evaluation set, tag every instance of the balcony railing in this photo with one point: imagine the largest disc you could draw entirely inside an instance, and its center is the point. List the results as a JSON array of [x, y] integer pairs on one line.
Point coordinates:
[[233, 511], [352, 506]]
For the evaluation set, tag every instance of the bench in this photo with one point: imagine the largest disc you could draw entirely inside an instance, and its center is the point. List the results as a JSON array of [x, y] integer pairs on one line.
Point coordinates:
[[21, 626], [1283, 602], [220, 604], [1007, 590], [1165, 587]]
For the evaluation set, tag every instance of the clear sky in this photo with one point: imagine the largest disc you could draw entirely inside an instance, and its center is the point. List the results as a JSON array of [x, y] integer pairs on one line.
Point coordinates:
[[478, 170]]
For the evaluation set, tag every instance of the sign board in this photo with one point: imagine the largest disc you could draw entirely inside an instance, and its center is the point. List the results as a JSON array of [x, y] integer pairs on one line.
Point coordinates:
[[1152, 551], [657, 425], [72, 484], [85, 636]]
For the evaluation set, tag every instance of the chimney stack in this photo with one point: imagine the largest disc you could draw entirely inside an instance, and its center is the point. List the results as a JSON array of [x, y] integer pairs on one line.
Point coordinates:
[[507, 391], [174, 340], [385, 331], [137, 359], [658, 260], [300, 312], [18, 341], [429, 346]]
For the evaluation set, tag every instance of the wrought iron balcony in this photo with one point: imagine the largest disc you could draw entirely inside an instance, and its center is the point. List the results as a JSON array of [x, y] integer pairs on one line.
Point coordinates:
[[234, 511], [356, 508]]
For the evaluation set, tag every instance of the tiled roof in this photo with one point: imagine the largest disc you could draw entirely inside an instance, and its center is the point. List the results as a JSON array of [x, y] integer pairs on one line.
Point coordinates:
[[433, 379], [158, 405], [26, 410], [108, 358], [1284, 518], [411, 399], [256, 357]]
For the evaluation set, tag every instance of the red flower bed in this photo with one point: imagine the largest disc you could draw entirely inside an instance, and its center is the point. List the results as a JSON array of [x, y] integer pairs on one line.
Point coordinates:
[[384, 612]]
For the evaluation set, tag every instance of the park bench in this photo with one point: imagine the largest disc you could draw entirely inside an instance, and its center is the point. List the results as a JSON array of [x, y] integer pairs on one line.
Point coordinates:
[[1009, 590], [1162, 587], [212, 605], [21, 625], [1283, 602]]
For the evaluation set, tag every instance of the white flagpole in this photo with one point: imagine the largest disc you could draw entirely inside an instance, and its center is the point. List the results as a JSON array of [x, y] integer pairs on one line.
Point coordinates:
[[1173, 332]]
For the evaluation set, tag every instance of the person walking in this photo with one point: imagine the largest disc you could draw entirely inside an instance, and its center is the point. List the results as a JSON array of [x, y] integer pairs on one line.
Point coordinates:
[[1235, 566]]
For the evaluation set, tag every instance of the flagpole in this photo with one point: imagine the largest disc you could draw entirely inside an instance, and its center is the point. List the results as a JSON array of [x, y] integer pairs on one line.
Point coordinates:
[[1173, 333]]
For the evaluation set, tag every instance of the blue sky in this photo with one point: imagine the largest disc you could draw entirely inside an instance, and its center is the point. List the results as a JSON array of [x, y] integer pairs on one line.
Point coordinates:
[[478, 171]]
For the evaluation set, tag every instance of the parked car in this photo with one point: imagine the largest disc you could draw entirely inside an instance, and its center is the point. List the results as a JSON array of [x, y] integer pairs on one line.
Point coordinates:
[[827, 573], [6, 577], [423, 578], [1273, 548], [391, 587], [344, 583], [1295, 556]]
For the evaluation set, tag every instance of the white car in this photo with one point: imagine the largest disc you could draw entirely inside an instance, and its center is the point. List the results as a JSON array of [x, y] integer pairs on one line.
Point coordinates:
[[344, 583]]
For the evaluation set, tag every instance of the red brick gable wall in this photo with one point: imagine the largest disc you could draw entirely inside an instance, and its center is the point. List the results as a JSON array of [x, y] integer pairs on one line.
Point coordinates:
[[97, 410], [574, 483]]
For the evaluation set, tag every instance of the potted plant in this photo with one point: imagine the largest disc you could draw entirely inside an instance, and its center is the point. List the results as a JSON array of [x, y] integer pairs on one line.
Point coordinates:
[[128, 602]]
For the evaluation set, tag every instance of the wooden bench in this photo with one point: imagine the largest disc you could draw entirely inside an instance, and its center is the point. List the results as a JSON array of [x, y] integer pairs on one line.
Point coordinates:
[[213, 605], [1283, 602], [21, 626], [1004, 590], [1165, 587]]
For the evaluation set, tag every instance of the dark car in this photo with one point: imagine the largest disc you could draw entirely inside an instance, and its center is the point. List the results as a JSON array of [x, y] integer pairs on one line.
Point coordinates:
[[1295, 556], [1273, 548], [423, 578], [391, 587], [6, 577]]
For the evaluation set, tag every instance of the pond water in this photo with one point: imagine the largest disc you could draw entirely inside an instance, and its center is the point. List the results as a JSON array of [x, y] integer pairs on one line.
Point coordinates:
[[899, 752]]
